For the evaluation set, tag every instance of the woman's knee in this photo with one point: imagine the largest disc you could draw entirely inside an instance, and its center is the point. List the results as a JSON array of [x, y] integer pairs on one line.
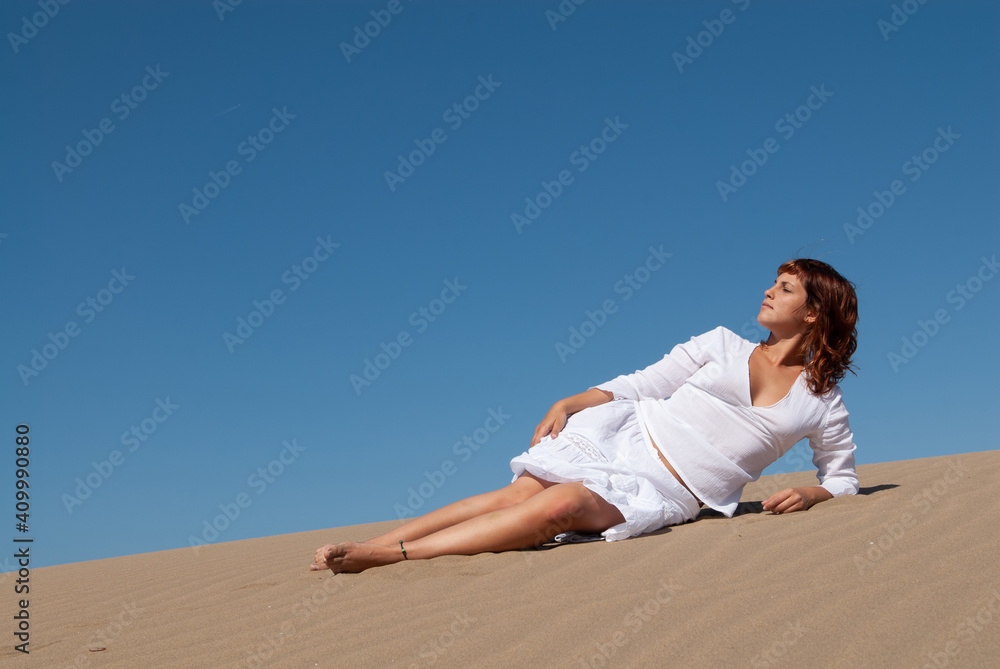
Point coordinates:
[[566, 504], [578, 508]]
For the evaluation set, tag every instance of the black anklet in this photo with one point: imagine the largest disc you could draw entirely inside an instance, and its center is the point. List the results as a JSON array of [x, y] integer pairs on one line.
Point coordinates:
[[403, 549]]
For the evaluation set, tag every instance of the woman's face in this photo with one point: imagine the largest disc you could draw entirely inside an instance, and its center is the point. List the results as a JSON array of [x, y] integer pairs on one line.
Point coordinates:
[[783, 310]]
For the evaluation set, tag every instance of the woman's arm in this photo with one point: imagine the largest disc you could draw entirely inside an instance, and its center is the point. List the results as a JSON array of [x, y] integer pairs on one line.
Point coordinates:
[[662, 378], [555, 419], [833, 454]]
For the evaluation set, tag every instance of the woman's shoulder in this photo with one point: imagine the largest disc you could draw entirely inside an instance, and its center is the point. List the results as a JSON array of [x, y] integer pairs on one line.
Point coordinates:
[[724, 337], [832, 399], [719, 344]]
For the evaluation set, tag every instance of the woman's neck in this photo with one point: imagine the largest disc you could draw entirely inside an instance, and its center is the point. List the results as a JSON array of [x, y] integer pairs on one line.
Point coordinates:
[[784, 352]]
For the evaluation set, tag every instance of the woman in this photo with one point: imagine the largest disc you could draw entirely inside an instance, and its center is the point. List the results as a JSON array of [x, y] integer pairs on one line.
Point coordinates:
[[648, 449]]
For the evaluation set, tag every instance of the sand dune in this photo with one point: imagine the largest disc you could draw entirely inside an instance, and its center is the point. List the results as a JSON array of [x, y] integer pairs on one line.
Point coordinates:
[[905, 574]]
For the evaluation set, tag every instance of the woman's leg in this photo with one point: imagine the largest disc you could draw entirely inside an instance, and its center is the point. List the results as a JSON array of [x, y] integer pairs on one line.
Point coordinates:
[[518, 491], [558, 508]]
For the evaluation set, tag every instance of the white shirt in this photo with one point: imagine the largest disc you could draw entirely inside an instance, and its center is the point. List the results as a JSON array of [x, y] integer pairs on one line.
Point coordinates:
[[695, 404]]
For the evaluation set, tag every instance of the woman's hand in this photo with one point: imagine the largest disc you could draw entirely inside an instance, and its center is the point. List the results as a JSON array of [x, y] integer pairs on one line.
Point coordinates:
[[796, 499], [552, 424], [555, 419]]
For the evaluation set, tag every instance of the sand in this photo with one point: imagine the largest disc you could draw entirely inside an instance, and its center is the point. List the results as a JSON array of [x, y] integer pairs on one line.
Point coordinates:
[[905, 574]]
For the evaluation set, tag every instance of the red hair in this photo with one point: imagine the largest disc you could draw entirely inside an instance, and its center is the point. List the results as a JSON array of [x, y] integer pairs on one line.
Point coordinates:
[[832, 338]]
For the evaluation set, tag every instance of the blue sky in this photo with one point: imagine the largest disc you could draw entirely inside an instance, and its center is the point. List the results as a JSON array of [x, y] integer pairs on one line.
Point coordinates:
[[217, 222]]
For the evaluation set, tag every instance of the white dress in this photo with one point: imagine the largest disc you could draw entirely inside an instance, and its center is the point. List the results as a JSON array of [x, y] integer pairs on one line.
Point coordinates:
[[606, 449], [695, 404]]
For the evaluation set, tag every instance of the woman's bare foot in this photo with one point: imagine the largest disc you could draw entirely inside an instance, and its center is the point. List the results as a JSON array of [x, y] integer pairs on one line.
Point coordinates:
[[351, 557]]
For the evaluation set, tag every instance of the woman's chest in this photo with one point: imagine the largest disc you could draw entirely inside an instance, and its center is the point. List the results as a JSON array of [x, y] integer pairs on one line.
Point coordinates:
[[768, 384]]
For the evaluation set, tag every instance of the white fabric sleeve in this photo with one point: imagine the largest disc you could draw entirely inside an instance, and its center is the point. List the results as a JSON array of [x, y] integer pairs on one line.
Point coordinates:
[[833, 451], [661, 379]]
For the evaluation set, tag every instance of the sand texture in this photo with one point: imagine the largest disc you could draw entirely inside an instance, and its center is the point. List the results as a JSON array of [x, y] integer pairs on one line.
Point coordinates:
[[906, 574]]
